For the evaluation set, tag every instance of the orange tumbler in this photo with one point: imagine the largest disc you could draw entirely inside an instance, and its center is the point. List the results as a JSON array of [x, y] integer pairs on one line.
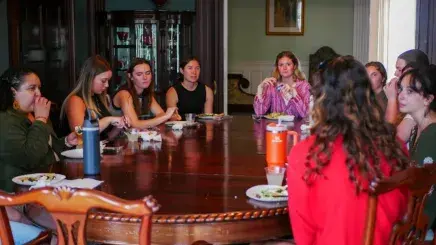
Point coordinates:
[[276, 144]]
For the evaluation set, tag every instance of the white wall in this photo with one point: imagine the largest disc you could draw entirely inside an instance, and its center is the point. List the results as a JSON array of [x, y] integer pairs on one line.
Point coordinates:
[[401, 34]]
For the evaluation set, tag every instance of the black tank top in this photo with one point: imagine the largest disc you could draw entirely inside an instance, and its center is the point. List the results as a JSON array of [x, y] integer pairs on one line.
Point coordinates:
[[190, 101]]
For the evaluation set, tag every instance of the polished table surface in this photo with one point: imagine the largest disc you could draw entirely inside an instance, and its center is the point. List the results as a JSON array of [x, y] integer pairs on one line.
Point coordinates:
[[199, 176]]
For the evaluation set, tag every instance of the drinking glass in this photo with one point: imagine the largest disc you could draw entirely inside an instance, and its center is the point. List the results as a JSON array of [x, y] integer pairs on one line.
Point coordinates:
[[275, 175], [190, 117]]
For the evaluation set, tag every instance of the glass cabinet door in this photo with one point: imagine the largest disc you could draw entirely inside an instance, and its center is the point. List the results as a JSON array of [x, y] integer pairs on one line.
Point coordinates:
[[146, 44], [123, 52], [172, 50]]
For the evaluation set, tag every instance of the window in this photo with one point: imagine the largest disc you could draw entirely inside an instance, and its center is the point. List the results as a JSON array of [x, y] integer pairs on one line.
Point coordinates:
[[392, 31]]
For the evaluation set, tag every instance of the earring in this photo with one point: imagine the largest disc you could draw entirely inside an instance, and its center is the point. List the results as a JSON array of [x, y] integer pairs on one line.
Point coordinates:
[[16, 105]]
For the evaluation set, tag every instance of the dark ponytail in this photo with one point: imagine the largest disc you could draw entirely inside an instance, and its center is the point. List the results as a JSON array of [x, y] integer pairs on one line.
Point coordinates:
[[11, 78], [184, 63]]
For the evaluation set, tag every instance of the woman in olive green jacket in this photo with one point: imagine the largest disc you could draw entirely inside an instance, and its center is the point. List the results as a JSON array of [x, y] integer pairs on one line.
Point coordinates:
[[27, 142], [417, 89]]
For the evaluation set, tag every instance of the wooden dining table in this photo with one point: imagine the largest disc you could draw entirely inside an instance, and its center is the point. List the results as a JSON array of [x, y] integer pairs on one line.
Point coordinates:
[[199, 176]]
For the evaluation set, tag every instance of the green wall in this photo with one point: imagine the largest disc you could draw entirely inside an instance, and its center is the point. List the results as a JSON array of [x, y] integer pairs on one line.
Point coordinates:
[[327, 22]]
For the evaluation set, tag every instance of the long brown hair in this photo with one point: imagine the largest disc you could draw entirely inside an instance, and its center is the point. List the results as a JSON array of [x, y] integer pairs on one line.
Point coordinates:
[[346, 105], [297, 72], [147, 94], [92, 67]]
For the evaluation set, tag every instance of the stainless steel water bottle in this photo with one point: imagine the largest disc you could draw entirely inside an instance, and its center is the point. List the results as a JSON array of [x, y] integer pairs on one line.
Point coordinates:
[[91, 144]]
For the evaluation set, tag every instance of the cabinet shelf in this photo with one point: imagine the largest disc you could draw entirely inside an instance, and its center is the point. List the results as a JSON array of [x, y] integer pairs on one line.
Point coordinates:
[[125, 46]]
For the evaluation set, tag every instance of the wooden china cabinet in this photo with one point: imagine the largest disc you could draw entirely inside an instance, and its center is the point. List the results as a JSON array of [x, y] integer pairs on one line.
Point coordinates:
[[162, 37], [41, 38]]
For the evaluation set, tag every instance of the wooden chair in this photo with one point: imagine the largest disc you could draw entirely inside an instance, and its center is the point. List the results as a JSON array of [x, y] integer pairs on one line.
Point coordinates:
[[413, 227], [238, 99], [69, 208]]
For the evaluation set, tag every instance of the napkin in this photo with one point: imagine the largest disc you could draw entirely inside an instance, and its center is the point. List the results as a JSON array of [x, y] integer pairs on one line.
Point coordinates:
[[76, 183], [132, 136], [305, 127], [150, 136], [154, 145]]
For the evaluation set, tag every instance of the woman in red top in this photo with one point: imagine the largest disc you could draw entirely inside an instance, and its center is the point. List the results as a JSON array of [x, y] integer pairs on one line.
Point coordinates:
[[329, 172]]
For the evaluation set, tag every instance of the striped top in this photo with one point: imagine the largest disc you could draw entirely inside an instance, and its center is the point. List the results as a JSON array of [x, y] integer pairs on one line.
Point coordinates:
[[272, 100]]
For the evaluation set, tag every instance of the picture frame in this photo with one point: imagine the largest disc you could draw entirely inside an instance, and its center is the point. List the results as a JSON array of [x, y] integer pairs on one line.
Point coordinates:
[[285, 17]]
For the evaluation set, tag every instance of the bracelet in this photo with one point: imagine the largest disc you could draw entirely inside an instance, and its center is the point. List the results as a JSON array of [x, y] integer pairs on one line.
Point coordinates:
[[67, 144]]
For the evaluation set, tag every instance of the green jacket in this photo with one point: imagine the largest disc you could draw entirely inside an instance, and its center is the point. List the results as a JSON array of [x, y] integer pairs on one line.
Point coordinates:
[[24, 146], [424, 151]]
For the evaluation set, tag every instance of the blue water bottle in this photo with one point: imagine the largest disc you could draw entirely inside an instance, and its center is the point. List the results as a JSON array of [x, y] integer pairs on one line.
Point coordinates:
[[91, 144]]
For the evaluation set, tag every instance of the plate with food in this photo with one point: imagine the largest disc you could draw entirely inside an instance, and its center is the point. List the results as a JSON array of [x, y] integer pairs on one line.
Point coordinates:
[[273, 115], [33, 179], [210, 116], [279, 116], [268, 193]]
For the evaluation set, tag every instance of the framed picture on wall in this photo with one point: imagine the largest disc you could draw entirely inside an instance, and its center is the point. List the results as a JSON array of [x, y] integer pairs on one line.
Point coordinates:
[[285, 17]]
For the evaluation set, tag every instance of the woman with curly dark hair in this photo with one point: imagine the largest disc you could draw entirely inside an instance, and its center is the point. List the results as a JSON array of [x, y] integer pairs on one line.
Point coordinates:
[[329, 172]]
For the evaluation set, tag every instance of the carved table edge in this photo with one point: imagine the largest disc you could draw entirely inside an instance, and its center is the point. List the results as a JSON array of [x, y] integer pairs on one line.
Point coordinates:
[[192, 218]]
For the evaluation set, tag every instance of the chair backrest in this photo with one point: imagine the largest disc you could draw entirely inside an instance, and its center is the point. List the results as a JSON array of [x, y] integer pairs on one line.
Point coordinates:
[[69, 208], [414, 225]]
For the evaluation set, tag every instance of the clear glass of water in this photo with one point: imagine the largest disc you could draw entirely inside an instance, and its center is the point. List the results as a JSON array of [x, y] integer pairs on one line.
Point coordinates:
[[275, 175], [190, 117]]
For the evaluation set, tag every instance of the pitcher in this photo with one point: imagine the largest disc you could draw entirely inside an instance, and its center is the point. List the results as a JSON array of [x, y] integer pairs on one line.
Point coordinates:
[[276, 143]]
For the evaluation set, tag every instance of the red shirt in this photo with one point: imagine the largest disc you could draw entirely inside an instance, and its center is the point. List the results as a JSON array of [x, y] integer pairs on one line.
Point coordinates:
[[329, 211]]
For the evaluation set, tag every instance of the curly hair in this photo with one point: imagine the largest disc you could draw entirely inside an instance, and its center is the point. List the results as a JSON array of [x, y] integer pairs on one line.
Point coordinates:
[[345, 105], [11, 78]]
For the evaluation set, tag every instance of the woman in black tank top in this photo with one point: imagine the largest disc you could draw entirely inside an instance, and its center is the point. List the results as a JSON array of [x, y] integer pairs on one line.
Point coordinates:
[[136, 98], [190, 96]]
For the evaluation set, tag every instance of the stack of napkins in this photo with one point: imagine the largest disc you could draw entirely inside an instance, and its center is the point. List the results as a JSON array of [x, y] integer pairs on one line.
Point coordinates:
[[150, 136], [75, 183], [177, 126]]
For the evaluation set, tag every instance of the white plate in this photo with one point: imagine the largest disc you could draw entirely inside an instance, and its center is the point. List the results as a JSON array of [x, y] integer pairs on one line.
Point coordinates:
[[171, 123], [255, 193], [74, 153], [78, 152], [210, 117], [21, 180], [287, 118], [184, 123]]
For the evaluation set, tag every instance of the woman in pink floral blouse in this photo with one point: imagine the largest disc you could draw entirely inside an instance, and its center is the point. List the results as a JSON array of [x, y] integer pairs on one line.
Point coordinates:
[[286, 92]]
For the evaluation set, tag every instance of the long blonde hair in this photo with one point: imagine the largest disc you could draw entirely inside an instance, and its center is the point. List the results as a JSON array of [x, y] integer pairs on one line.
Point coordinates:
[[92, 67], [298, 74]]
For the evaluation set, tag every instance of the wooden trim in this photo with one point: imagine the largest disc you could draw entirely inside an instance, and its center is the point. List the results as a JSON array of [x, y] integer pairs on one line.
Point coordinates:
[[193, 218], [91, 11], [225, 232], [14, 32], [72, 42]]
